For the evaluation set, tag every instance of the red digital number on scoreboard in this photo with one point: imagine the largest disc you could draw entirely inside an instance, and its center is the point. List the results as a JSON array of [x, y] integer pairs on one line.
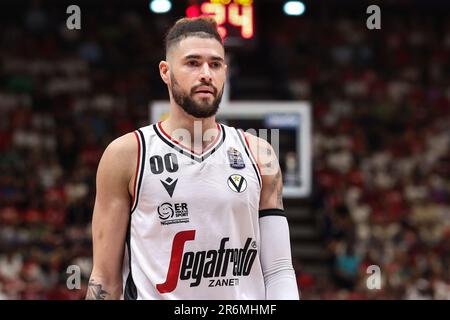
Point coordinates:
[[237, 13]]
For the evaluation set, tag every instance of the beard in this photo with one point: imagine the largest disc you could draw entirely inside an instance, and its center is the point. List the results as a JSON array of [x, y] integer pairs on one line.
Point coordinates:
[[201, 109]]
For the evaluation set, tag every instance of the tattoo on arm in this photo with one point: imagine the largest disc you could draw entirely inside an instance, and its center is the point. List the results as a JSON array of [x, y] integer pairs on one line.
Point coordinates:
[[269, 165], [95, 291], [276, 186], [267, 161], [279, 187]]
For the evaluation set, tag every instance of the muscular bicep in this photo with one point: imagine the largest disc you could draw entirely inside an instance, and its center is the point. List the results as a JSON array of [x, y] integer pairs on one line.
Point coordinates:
[[110, 219], [272, 190], [272, 182]]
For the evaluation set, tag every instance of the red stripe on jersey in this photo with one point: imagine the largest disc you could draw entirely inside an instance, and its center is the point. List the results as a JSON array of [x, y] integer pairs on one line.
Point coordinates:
[[138, 162], [254, 158]]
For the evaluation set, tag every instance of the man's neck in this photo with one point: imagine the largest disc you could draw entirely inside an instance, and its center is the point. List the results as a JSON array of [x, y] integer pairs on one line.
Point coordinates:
[[194, 133]]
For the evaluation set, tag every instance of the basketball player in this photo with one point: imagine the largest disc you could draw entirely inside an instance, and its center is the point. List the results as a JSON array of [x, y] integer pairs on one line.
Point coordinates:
[[178, 217]]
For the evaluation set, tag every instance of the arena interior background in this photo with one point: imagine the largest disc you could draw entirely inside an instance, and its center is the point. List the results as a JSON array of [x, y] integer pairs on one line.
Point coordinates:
[[380, 103]]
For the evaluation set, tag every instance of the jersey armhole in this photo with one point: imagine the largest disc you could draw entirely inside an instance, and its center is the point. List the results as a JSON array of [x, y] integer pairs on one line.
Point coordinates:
[[139, 168], [248, 151]]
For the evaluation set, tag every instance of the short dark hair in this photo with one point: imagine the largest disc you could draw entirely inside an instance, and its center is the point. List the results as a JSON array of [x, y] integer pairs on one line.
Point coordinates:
[[202, 27]]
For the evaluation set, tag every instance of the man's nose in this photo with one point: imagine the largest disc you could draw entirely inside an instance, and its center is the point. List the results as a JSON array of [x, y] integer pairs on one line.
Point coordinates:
[[205, 73]]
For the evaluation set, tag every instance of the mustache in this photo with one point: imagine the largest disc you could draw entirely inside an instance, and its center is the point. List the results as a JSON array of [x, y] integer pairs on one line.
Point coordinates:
[[204, 85]]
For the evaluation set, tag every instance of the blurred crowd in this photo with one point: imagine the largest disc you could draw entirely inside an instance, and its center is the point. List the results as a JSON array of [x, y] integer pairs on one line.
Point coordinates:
[[381, 103], [381, 107]]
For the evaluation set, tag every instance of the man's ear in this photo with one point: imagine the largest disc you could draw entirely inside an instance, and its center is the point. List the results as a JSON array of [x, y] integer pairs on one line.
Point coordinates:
[[164, 71]]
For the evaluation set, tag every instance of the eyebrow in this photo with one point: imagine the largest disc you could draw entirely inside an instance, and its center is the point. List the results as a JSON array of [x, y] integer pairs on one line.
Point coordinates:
[[197, 56]]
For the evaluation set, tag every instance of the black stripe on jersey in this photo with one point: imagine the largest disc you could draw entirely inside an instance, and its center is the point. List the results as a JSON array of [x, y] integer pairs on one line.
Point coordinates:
[[249, 156], [130, 291], [141, 170], [272, 212], [187, 153]]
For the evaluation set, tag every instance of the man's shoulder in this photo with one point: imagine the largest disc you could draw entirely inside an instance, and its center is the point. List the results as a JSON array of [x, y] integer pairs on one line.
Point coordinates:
[[119, 158], [263, 152], [128, 142], [123, 145], [256, 143]]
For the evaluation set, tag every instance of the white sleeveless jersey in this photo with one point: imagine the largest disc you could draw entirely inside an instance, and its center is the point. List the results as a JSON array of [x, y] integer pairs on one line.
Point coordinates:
[[194, 225]]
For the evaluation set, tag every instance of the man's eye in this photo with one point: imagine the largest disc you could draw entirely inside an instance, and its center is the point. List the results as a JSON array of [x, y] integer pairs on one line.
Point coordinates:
[[215, 65], [192, 63]]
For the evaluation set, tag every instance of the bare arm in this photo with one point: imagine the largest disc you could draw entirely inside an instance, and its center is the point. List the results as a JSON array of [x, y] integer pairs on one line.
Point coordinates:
[[110, 218], [276, 260], [272, 182]]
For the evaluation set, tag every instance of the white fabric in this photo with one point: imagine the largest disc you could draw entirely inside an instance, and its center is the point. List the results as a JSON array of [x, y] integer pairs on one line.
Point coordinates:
[[276, 261], [216, 213]]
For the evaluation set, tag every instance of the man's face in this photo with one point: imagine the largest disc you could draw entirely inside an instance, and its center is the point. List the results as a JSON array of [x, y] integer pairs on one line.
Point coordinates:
[[196, 75]]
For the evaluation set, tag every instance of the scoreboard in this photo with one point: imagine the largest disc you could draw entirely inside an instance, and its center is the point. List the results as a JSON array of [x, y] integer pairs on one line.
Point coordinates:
[[235, 18]]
